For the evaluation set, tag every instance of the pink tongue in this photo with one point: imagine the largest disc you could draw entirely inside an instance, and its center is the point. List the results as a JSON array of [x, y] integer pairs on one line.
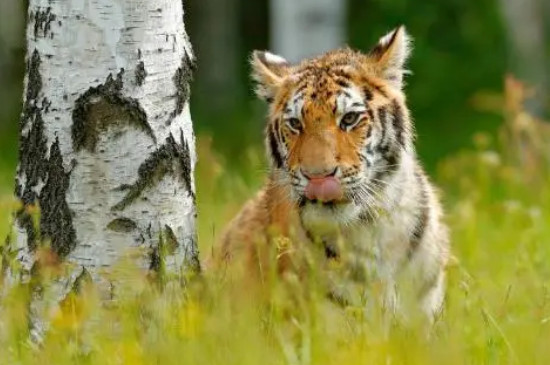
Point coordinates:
[[325, 189]]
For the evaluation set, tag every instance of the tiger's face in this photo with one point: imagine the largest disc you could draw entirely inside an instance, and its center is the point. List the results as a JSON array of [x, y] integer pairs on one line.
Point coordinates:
[[337, 126]]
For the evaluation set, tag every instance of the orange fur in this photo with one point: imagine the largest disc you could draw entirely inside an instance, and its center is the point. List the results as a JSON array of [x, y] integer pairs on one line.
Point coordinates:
[[343, 116], [272, 213]]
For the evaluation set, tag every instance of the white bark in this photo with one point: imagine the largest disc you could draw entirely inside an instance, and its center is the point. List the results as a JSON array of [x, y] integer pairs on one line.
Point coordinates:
[[304, 28], [107, 146]]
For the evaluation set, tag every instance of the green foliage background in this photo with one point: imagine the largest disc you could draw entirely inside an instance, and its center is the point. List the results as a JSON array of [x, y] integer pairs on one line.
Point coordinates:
[[498, 308]]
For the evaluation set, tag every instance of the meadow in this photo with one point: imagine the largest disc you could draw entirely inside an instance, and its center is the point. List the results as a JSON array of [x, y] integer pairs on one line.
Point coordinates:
[[497, 199]]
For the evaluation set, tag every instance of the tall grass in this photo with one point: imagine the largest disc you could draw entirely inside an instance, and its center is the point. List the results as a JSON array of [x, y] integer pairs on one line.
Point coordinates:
[[497, 198]]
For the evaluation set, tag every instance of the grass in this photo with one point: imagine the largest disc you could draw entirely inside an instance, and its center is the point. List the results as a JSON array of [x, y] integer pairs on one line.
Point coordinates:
[[497, 309]]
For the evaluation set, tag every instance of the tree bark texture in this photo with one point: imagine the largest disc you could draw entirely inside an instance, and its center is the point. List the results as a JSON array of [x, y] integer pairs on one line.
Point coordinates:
[[106, 138], [304, 28]]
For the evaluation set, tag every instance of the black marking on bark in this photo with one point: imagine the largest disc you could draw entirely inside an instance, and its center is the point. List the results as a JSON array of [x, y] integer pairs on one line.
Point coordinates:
[[170, 240], [32, 148], [7, 254], [192, 263], [34, 86], [42, 21], [56, 222], [169, 159], [141, 73], [158, 253], [182, 80], [46, 104], [122, 225], [32, 157], [101, 107], [84, 278], [155, 260], [167, 245]]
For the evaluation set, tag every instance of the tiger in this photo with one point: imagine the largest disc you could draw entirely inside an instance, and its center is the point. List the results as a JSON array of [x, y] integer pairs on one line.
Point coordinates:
[[343, 171]]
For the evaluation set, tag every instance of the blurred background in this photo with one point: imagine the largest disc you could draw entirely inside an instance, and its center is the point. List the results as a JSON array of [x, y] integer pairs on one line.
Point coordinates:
[[489, 157], [462, 50]]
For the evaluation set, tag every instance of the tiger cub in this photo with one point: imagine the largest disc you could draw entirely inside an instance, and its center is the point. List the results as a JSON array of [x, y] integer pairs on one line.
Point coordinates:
[[344, 173]]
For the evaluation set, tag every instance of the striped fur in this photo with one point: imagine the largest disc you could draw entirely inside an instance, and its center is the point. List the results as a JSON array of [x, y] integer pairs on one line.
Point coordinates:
[[345, 113]]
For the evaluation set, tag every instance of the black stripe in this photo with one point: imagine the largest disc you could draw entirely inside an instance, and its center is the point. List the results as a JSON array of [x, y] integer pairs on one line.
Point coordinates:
[[368, 94], [374, 87], [389, 152], [367, 216], [300, 88], [274, 149], [422, 218], [382, 118], [370, 114], [398, 123], [278, 132], [346, 94], [392, 160], [342, 82], [331, 252], [341, 73]]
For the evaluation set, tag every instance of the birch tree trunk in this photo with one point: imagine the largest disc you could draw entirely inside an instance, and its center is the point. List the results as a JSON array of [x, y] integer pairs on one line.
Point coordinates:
[[304, 28], [106, 139]]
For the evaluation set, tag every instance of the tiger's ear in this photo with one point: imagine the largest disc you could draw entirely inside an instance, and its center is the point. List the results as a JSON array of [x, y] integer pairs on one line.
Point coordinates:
[[390, 55], [269, 71]]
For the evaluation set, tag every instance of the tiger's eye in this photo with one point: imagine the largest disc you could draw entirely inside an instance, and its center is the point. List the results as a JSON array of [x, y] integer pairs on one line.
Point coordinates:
[[295, 124], [349, 120]]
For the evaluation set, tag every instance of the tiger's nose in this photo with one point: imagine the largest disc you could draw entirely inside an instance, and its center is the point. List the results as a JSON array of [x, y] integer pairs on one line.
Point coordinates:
[[323, 186], [312, 174]]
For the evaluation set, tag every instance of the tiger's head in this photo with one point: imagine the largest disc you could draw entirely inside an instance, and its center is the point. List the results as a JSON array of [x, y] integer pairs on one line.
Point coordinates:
[[338, 125]]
